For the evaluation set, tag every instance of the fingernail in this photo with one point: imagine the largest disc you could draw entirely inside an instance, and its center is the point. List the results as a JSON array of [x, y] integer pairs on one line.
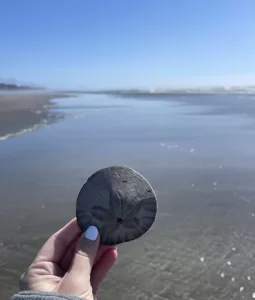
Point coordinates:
[[91, 233]]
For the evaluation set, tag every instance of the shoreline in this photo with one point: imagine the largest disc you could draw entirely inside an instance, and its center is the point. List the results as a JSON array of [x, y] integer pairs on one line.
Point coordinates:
[[25, 111]]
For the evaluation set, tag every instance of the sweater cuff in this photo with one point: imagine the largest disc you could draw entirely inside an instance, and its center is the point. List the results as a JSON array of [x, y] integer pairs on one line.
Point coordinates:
[[31, 295]]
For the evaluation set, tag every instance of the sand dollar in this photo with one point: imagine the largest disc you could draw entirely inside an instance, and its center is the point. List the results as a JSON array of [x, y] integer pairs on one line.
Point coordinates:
[[119, 201]]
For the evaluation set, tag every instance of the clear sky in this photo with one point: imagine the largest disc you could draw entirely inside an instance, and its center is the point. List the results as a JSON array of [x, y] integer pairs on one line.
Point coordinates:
[[128, 43]]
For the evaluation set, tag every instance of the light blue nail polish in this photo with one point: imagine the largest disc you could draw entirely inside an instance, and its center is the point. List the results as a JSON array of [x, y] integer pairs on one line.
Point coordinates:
[[91, 233]]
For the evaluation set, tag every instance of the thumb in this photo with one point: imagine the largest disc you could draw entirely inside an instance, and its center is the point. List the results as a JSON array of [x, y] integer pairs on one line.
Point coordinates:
[[76, 282]]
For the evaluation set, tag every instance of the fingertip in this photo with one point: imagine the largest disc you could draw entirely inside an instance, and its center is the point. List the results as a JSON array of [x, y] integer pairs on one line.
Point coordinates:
[[111, 256], [115, 252]]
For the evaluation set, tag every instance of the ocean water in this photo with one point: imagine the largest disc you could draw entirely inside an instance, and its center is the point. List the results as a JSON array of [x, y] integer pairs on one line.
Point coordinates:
[[198, 154]]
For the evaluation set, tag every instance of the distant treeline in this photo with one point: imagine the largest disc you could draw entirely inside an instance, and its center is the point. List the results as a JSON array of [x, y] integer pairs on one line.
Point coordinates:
[[13, 87]]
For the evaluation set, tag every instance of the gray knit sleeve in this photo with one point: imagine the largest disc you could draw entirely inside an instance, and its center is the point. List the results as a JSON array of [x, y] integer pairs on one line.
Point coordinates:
[[30, 295]]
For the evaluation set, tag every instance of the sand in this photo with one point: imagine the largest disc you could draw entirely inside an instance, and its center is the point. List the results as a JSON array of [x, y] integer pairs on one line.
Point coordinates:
[[24, 111], [202, 168]]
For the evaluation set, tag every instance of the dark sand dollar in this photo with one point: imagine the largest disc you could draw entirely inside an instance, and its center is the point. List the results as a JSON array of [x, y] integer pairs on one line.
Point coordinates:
[[119, 201]]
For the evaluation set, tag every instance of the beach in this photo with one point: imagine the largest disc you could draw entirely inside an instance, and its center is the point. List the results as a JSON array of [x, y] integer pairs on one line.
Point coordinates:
[[25, 110], [198, 157]]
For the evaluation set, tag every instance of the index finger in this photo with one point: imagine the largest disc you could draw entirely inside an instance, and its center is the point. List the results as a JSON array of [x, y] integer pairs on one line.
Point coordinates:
[[56, 246]]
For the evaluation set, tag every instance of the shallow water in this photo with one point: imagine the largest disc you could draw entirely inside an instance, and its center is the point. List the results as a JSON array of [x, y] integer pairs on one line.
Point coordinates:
[[201, 164]]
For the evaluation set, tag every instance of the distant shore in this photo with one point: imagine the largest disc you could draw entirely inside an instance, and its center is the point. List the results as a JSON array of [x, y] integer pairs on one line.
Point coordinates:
[[171, 91], [22, 111]]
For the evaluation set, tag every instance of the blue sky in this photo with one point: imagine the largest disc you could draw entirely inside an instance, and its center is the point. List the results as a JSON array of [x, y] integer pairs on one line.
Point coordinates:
[[128, 43]]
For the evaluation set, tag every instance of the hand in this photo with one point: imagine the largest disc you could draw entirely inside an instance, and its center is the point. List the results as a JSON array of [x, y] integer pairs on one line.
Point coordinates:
[[70, 263]]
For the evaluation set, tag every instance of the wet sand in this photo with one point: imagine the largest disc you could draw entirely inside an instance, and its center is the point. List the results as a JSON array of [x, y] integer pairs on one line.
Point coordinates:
[[202, 168], [24, 110]]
